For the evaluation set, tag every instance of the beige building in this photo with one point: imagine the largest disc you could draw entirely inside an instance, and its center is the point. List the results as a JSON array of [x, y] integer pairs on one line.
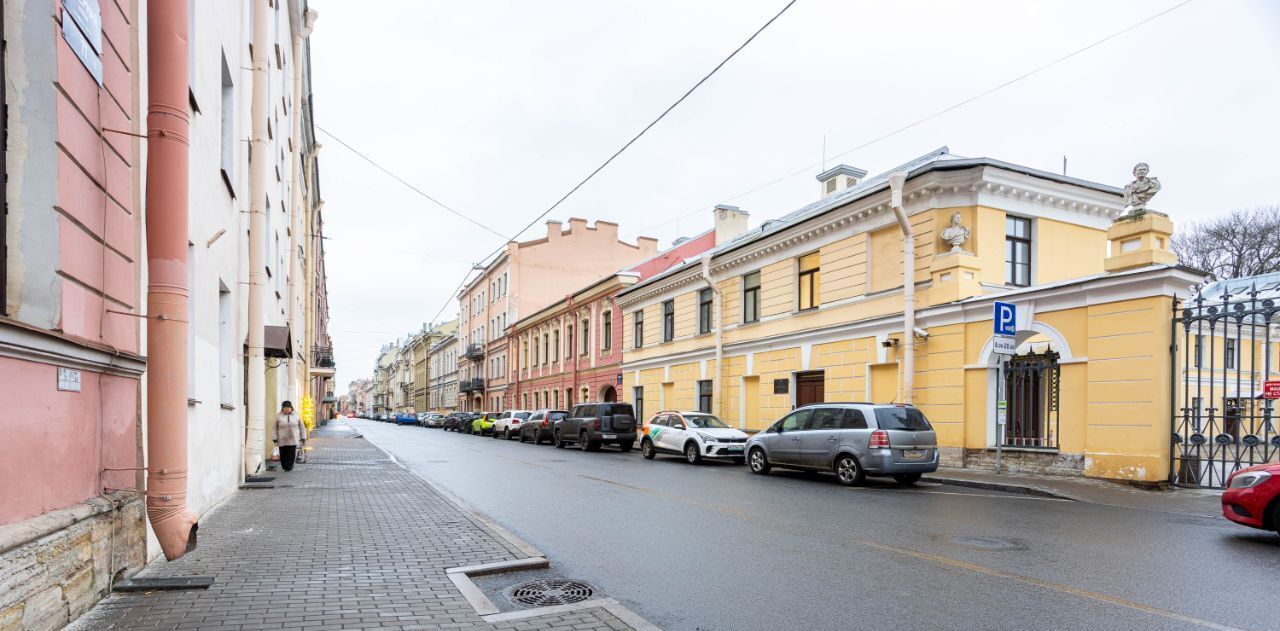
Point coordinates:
[[524, 278]]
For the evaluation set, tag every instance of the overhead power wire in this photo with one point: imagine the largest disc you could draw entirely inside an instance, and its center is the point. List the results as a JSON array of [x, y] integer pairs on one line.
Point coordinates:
[[957, 105], [405, 182], [619, 152]]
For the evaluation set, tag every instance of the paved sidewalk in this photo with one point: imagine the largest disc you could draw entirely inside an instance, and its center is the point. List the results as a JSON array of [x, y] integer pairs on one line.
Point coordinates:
[[349, 540], [1201, 502]]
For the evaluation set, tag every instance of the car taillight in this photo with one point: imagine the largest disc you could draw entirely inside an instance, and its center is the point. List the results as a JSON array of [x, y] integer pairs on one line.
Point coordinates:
[[879, 439], [596, 424], [544, 423]]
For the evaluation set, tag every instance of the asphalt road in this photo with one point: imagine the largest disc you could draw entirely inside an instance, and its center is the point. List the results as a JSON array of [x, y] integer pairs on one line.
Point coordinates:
[[715, 547]]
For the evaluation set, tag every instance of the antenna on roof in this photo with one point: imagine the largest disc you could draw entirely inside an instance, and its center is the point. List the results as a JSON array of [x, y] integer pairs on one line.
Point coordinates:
[[1064, 165]]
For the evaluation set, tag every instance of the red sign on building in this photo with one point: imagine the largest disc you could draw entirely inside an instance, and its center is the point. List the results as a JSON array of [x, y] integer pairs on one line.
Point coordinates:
[[1271, 389]]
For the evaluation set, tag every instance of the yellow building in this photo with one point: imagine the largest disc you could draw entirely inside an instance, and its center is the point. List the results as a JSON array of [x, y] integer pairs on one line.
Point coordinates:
[[810, 308]]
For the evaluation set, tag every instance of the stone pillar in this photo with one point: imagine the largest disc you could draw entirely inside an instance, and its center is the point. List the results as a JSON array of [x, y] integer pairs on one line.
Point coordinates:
[[955, 277], [1138, 241]]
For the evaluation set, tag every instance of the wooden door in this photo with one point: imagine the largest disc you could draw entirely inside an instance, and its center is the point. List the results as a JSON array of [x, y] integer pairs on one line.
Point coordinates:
[[810, 388]]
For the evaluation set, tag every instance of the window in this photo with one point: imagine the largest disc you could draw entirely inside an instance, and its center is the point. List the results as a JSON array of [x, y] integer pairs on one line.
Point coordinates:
[[568, 339], [637, 328], [1017, 251], [556, 356], [853, 419], [704, 396], [546, 348], [637, 398], [535, 352], [810, 282], [795, 421], [228, 118], [704, 311], [825, 419], [1229, 353], [751, 297], [586, 336], [1199, 350], [668, 320], [606, 329]]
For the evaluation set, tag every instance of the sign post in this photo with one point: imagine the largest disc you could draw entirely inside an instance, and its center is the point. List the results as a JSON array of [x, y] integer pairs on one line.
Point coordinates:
[[1004, 317]]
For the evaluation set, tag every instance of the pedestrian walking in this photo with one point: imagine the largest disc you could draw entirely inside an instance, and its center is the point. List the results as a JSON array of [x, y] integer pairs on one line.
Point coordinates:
[[289, 433]]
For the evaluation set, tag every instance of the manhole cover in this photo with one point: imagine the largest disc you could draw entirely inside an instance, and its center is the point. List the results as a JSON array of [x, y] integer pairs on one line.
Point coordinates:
[[985, 543], [547, 592]]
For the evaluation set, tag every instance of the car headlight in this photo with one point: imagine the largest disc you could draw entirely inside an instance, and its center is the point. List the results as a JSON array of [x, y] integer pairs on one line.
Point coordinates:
[[1246, 480], [708, 438]]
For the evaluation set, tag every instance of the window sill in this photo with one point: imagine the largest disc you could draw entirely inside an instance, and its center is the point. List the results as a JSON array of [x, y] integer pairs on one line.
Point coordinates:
[[1032, 450]]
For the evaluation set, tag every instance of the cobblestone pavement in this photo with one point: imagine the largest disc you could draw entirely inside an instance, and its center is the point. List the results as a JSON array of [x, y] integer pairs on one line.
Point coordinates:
[[350, 540]]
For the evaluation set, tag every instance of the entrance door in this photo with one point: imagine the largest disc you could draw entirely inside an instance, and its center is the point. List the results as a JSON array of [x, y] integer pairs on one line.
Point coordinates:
[[610, 395], [810, 388]]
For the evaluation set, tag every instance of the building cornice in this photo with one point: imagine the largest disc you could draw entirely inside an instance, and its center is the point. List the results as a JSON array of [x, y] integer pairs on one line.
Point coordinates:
[[20, 341]]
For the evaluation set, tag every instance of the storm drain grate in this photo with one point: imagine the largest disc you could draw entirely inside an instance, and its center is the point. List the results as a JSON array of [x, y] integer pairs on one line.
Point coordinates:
[[548, 592]]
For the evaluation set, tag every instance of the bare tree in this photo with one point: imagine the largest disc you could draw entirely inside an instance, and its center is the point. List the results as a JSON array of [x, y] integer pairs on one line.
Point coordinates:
[[1243, 243]]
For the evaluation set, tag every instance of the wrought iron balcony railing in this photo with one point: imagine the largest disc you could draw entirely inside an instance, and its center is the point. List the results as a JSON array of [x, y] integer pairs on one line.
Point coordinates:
[[474, 351], [322, 356]]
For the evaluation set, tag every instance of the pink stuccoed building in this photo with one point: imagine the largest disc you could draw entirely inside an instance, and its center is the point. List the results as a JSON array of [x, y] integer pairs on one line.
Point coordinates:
[[571, 351]]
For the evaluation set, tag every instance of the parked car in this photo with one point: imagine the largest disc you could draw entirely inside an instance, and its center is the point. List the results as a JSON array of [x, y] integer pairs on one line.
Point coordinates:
[[508, 423], [455, 421], [853, 440], [1252, 497], [382, 416], [539, 426], [483, 423], [405, 418], [591, 425], [433, 420], [696, 435]]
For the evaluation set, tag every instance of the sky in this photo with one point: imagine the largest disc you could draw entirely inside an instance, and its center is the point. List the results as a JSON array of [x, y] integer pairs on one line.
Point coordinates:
[[497, 109]]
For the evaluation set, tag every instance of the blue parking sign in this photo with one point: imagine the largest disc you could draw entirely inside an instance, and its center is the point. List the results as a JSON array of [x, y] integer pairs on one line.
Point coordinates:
[[1005, 317]]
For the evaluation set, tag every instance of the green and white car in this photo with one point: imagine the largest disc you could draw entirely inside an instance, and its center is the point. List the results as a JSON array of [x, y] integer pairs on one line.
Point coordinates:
[[694, 435]]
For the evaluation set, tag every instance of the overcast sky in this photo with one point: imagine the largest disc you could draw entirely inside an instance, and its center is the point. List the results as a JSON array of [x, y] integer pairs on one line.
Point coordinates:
[[498, 108]]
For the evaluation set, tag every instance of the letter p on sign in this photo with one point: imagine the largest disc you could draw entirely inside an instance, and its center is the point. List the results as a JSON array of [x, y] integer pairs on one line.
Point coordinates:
[[1005, 315]]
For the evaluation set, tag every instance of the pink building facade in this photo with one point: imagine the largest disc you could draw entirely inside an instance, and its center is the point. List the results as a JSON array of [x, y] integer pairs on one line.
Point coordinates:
[[71, 283], [571, 351]]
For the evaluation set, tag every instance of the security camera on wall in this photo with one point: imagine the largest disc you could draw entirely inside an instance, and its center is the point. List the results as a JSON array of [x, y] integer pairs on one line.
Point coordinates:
[[889, 342]]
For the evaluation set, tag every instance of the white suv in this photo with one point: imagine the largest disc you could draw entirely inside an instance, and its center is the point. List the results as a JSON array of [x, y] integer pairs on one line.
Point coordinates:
[[696, 435], [507, 425]]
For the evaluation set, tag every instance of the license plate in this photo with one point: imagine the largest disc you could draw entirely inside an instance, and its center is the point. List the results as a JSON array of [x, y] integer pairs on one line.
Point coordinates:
[[609, 436], [913, 453], [733, 449]]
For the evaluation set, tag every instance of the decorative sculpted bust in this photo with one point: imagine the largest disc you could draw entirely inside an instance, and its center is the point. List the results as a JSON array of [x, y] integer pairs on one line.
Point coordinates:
[[955, 234], [1140, 191]]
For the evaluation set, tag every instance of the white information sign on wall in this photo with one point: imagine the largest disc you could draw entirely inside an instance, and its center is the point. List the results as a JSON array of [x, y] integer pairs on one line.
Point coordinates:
[[1004, 345]]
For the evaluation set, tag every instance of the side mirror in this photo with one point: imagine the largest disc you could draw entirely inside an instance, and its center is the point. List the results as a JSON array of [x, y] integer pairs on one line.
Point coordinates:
[[678, 426]]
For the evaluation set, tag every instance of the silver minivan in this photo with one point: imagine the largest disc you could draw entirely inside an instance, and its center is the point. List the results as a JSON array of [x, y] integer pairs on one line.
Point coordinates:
[[853, 440]]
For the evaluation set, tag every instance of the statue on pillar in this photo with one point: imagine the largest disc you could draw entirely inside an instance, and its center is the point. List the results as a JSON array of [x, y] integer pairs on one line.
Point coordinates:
[[955, 234], [1140, 191]]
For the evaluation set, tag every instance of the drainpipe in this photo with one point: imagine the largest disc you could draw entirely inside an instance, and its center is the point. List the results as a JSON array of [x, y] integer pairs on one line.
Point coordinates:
[[255, 434], [715, 315], [168, 126], [300, 372], [896, 181]]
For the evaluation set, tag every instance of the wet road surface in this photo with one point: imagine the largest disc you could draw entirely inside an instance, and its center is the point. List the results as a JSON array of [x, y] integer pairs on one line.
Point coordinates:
[[715, 547]]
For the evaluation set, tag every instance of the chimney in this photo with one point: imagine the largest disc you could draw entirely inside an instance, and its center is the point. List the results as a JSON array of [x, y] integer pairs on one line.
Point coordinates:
[[731, 222], [839, 178], [577, 226], [554, 230]]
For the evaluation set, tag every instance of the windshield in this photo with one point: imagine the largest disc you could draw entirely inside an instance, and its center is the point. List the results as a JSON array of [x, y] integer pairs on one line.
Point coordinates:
[[705, 421], [909, 419], [616, 409], [521, 415], [555, 416]]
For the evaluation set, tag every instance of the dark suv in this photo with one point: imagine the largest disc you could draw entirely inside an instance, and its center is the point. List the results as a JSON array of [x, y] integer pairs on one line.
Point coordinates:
[[590, 425]]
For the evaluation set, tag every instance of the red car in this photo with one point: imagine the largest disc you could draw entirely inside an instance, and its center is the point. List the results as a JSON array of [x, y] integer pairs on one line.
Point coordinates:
[[1252, 497]]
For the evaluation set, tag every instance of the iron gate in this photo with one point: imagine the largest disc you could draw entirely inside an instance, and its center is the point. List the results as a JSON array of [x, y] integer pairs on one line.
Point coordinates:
[[1032, 388], [1223, 350]]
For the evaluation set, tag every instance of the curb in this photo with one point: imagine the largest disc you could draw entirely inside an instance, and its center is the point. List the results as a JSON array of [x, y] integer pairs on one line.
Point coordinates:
[[1010, 487]]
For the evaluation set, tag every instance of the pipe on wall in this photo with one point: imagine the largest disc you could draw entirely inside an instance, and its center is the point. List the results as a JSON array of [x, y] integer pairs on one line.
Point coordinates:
[[259, 157], [168, 149], [896, 182], [716, 304]]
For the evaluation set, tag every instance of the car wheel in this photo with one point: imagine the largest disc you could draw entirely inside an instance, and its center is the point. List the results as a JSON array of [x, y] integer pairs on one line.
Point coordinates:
[[522, 438], [537, 437], [906, 479], [559, 441], [647, 450], [759, 463], [849, 471], [691, 453], [583, 443], [625, 447]]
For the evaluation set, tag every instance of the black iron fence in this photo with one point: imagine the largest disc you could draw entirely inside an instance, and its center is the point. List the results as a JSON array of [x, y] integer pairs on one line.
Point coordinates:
[[322, 356], [1224, 352], [1032, 388]]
